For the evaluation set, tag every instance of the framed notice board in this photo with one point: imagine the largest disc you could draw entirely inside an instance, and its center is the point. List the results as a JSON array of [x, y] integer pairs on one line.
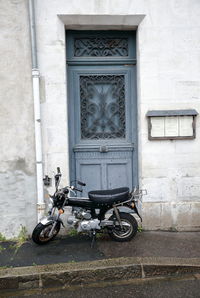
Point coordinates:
[[171, 124]]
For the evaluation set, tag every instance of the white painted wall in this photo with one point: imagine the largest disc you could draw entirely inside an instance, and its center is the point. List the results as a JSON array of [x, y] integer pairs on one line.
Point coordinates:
[[168, 68], [17, 158], [168, 78]]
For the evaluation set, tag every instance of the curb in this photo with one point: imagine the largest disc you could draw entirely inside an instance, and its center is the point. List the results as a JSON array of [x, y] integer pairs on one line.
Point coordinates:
[[68, 274]]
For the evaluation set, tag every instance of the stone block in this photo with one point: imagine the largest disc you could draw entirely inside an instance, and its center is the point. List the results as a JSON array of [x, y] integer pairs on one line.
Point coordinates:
[[151, 213], [90, 275], [189, 188], [183, 215], [9, 283], [195, 218], [158, 189], [28, 282], [159, 270], [166, 219]]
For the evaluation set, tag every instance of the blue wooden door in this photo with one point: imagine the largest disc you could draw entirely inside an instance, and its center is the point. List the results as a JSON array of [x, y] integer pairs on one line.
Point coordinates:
[[102, 108]]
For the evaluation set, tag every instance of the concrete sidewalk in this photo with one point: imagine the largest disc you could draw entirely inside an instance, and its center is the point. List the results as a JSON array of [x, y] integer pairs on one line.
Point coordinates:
[[148, 254], [77, 248]]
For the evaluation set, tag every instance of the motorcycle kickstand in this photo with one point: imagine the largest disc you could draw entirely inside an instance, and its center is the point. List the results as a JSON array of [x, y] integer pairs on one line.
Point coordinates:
[[93, 239]]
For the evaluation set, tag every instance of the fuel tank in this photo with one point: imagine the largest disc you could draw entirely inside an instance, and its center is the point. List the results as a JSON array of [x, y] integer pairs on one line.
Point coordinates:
[[80, 202]]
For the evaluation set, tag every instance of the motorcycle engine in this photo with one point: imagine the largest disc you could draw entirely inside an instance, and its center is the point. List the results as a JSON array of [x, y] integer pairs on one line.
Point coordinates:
[[88, 225], [82, 218], [81, 213]]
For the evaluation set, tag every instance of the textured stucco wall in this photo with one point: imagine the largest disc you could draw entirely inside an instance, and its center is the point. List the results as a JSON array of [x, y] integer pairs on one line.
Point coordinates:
[[168, 77], [17, 168], [168, 70]]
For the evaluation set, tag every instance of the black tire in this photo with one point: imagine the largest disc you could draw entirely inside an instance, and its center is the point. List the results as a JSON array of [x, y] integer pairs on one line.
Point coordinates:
[[129, 231], [40, 238]]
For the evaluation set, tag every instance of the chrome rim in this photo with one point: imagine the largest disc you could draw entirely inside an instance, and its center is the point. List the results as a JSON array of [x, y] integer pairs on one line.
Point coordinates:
[[44, 234], [125, 231]]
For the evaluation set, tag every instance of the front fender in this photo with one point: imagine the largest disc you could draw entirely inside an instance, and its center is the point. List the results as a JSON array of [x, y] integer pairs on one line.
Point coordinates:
[[49, 219]]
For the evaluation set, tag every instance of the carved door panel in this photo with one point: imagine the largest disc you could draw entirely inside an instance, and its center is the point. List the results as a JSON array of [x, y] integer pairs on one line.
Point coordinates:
[[102, 114]]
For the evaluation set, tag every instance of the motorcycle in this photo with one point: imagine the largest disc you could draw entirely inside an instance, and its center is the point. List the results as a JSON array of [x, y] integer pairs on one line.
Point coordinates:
[[98, 213]]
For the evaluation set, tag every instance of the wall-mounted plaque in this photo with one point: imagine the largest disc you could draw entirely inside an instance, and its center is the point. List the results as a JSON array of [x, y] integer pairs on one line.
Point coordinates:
[[172, 124]]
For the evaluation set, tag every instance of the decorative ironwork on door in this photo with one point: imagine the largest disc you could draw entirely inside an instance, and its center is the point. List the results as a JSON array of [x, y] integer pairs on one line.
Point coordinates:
[[102, 105], [100, 47]]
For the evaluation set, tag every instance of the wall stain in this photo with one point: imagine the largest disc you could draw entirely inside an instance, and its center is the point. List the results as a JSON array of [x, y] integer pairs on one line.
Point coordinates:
[[18, 165]]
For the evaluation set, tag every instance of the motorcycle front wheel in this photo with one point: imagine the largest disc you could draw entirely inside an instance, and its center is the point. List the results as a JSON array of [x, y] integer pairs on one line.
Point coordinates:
[[41, 232], [128, 230]]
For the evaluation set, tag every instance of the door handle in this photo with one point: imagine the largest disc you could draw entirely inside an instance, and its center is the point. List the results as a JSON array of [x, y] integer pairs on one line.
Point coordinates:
[[103, 149]]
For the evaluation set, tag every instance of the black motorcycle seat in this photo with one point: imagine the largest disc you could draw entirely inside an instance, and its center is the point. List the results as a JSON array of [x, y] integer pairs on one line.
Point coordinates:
[[79, 202], [111, 196]]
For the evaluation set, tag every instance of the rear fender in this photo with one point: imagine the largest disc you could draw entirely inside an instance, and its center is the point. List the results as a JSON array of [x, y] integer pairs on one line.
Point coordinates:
[[127, 205], [49, 219], [135, 209]]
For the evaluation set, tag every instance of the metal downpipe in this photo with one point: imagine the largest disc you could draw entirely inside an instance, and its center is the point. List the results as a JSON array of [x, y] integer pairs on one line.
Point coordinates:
[[37, 115]]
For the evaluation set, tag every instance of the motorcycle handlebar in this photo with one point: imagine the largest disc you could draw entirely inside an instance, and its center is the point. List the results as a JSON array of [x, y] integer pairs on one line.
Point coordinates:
[[81, 183], [76, 189]]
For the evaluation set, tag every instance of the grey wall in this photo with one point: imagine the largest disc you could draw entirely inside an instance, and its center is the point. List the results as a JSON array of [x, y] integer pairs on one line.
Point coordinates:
[[17, 168]]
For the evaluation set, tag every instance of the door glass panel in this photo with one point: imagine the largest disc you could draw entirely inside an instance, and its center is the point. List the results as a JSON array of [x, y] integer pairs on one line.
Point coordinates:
[[102, 105]]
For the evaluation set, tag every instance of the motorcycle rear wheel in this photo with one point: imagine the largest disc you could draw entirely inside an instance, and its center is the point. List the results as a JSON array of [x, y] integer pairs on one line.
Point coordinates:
[[129, 230], [40, 233]]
